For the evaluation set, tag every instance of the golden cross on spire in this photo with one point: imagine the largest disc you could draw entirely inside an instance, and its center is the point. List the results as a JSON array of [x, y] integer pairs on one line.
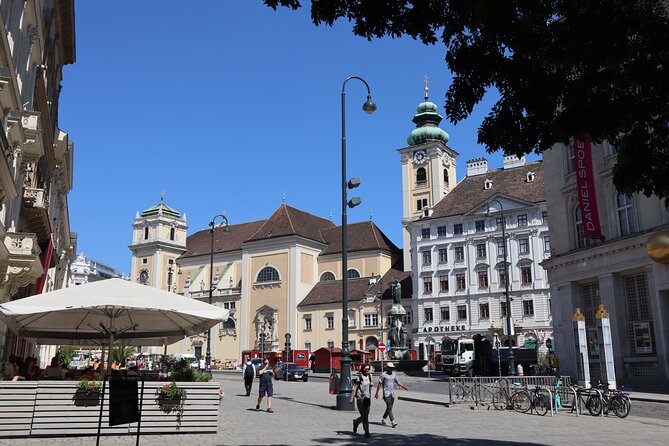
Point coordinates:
[[427, 81]]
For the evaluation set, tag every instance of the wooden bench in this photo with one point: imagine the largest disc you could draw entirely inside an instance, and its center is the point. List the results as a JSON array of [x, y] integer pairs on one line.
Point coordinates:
[[50, 409]]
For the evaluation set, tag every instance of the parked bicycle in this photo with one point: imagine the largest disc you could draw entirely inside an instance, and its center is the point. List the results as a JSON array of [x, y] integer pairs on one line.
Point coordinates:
[[611, 399], [591, 399], [537, 399], [505, 398]]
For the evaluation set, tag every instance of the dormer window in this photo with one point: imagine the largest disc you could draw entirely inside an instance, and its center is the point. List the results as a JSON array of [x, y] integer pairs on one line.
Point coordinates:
[[487, 184], [529, 177]]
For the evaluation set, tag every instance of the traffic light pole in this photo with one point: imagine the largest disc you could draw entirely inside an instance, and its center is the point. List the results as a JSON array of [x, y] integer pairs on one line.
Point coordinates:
[[287, 348]]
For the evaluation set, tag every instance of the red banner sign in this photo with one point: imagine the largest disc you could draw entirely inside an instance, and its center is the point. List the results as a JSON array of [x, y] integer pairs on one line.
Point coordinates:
[[586, 187]]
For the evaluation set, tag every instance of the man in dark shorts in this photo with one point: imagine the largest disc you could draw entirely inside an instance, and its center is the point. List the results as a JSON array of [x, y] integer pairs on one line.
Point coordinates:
[[266, 387]]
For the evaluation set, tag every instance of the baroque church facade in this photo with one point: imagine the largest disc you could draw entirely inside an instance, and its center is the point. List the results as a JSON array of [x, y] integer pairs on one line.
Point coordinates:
[[263, 271]]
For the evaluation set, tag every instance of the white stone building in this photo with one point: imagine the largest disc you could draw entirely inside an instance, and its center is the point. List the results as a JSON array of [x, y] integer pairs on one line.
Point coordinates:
[[37, 38], [458, 258], [615, 271], [85, 270]]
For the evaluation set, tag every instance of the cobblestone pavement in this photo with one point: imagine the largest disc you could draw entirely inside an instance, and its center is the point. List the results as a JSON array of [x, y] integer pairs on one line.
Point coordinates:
[[304, 416]]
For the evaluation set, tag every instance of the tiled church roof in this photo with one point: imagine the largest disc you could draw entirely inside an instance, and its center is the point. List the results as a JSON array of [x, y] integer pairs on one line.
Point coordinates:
[[363, 236], [331, 291], [289, 221], [511, 183], [200, 243]]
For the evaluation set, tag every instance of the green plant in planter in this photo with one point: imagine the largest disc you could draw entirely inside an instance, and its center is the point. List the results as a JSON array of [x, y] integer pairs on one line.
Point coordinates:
[[89, 387], [171, 397]]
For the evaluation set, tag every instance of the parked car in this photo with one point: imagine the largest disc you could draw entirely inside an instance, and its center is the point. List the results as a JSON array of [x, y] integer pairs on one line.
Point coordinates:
[[290, 370]]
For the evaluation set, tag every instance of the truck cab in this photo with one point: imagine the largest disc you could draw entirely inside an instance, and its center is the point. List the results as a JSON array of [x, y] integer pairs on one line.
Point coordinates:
[[457, 356]]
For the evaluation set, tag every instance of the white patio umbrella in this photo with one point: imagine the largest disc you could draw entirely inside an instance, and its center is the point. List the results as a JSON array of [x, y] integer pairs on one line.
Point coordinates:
[[110, 310]]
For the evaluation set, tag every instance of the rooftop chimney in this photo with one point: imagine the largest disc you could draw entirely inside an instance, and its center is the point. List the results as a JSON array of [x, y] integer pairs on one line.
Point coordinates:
[[511, 161], [477, 166]]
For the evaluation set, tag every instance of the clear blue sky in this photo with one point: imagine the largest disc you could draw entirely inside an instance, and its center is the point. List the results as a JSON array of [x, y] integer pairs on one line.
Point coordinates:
[[230, 106]]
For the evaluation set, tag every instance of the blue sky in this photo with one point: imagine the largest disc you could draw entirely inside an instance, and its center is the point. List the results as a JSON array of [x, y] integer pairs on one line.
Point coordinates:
[[230, 106]]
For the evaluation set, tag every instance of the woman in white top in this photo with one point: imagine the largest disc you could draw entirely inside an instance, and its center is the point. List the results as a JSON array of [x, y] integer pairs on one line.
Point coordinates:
[[362, 392]]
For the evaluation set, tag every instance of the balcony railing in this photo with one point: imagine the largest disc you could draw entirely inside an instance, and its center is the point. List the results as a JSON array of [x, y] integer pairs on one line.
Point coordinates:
[[35, 198]]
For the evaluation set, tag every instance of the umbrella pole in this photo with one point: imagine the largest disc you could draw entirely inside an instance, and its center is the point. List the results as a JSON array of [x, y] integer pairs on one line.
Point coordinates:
[[111, 343]]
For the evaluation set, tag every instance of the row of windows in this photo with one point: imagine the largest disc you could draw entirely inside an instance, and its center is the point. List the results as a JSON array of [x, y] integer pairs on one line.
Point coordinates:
[[421, 176], [626, 220], [328, 276], [479, 225], [461, 280], [481, 250], [146, 233], [370, 320], [484, 311]]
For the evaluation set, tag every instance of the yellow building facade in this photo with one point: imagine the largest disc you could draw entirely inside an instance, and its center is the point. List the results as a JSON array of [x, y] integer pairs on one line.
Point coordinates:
[[262, 271]]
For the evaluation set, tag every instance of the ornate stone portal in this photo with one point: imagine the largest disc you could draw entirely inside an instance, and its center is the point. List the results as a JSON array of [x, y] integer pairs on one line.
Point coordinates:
[[266, 323]]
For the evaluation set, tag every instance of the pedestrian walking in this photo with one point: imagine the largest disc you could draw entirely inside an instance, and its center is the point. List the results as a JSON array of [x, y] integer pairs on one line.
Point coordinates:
[[249, 375], [387, 381], [266, 387], [362, 393]]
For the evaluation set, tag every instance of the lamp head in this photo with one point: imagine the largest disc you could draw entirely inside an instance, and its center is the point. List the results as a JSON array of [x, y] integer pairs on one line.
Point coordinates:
[[353, 183], [353, 202], [369, 107]]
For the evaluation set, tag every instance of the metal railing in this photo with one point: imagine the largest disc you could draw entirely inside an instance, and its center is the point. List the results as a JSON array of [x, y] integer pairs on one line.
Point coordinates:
[[480, 390]]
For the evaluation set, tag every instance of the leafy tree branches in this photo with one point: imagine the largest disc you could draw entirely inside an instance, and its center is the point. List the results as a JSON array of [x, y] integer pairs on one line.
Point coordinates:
[[563, 68]]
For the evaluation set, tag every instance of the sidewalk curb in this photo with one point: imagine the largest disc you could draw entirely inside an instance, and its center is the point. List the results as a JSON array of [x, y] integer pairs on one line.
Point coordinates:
[[648, 400], [419, 400]]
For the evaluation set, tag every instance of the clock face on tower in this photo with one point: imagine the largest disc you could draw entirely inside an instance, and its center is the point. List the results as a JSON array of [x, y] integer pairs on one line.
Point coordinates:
[[144, 277], [419, 157]]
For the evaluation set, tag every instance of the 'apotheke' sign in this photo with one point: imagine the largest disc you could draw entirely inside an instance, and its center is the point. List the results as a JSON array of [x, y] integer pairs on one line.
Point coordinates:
[[445, 328]]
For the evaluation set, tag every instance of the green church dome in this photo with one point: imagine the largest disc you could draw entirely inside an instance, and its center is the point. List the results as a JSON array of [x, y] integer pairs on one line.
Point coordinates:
[[425, 107], [422, 135], [427, 124]]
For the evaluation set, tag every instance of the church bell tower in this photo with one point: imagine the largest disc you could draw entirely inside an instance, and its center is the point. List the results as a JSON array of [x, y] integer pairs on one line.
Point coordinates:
[[428, 168]]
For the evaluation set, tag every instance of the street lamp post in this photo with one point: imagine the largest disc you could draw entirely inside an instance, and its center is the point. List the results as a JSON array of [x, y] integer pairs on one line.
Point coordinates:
[[512, 365], [169, 278], [212, 225], [345, 389]]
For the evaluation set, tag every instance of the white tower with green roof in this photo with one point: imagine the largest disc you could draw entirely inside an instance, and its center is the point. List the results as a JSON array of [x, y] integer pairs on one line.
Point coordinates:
[[428, 168], [159, 237]]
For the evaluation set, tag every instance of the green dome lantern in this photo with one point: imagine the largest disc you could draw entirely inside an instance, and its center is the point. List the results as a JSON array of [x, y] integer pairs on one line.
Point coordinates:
[[427, 124]]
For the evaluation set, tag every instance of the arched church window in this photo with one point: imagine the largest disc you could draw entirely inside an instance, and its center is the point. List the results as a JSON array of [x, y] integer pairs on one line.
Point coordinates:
[[327, 276], [352, 274], [421, 176], [146, 233], [446, 176], [171, 233], [268, 274]]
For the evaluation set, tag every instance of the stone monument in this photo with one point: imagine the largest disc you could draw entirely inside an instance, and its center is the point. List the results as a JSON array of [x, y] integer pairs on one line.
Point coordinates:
[[399, 338]]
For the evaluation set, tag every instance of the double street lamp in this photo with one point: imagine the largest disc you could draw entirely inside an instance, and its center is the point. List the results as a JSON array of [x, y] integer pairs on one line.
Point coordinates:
[[345, 389], [212, 226], [512, 365]]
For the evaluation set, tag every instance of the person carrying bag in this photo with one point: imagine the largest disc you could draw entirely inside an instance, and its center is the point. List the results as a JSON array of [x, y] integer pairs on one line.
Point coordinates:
[[362, 393]]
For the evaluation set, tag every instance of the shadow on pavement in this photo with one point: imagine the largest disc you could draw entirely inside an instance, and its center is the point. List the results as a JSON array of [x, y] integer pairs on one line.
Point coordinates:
[[396, 439], [293, 400]]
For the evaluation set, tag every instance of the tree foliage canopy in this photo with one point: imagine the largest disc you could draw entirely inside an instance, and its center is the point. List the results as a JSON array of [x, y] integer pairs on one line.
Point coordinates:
[[563, 68]]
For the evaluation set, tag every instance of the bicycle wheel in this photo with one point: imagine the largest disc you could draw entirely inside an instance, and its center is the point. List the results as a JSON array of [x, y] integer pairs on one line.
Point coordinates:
[[460, 392], [594, 405], [520, 401], [620, 405], [541, 403], [499, 400]]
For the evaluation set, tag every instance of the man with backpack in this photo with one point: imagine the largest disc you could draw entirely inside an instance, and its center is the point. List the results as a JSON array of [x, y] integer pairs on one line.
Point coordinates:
[[249, 375]]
